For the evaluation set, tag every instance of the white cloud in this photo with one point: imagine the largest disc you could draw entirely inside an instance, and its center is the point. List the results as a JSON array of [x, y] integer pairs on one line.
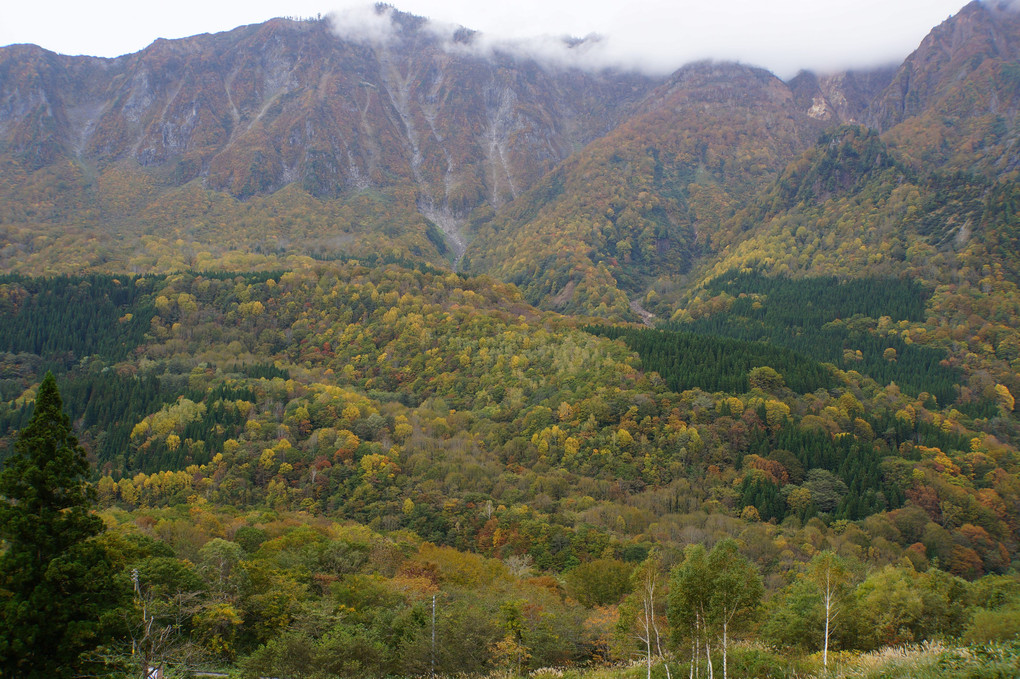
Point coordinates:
[[364, 24], [375, 25], [657, 35]]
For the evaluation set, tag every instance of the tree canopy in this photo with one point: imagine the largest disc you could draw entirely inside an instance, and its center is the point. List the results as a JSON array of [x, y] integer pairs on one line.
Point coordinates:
[[55, 582]]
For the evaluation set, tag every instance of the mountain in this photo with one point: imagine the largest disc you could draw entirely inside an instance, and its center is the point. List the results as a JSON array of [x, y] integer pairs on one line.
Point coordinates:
[[954, 101], [932, 164], [588, 189], [633, 206], [263, 106], [252, 111]]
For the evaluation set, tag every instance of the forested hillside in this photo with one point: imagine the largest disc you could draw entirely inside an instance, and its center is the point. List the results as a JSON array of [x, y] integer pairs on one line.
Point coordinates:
[[445, 409], [624, 212]]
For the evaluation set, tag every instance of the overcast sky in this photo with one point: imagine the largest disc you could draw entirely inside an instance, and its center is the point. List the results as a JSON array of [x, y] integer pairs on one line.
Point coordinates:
[[661, 35]]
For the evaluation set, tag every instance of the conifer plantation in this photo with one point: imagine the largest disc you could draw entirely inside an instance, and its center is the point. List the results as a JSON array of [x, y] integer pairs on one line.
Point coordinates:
[[327, 357]]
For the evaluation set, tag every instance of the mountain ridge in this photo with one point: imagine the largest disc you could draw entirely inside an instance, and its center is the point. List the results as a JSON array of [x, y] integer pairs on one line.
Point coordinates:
[[444, 140], [169, 103]]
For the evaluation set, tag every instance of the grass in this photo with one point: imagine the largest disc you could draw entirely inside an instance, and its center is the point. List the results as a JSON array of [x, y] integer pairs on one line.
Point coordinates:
[[929, 660]]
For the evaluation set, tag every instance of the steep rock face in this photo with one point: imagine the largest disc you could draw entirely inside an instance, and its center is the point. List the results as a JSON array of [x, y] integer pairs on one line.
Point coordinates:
[[46, 100], [954, 101], [840, 97], [949, 54], [260, 107]]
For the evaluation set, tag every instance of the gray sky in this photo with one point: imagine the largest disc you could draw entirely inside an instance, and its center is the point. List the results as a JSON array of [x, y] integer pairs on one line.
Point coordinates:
[[782, 35]]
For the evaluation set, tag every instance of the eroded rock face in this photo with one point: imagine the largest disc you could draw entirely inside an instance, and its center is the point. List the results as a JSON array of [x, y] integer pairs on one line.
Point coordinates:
[[839, 98], [981, 36], [260, 107]]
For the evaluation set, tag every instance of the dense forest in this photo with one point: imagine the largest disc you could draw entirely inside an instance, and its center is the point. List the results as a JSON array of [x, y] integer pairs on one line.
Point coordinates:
[[295, 462], [297, 453], [827, 320]]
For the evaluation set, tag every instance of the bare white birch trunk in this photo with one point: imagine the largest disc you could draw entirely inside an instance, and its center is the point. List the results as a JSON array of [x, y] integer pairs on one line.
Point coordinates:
[[828, 616], [649, 621], [825, 651], [658, 646], [724, 642], [648, 640], [696, 649]]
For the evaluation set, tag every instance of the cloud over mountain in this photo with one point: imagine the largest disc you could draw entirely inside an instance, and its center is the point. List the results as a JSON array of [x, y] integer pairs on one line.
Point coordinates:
[[658, 38]]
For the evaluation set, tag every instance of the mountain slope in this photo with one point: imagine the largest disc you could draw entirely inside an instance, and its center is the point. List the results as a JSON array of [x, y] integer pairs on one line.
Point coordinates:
[[261, 106], [257, 109], [595, 192], [638, 203], [954, 101]]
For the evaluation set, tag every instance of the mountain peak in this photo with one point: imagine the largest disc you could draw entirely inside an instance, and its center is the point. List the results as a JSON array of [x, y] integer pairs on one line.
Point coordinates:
[[959, 81]]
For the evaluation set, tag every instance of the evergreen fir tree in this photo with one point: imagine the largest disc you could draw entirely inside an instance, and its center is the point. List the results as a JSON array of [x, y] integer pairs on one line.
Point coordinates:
[[55, 581]]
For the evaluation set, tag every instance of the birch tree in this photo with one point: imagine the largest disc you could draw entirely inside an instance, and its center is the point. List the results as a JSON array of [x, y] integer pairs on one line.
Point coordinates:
[[832, 575], [641, 614], [690, 595], [158, 625], [736, 590]]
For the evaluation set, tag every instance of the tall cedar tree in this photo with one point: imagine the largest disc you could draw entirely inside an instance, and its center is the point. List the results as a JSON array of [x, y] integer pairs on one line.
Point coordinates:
[[55, 581]]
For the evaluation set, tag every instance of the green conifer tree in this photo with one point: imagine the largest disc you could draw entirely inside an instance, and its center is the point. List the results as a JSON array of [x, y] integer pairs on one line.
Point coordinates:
[[55, 581]]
